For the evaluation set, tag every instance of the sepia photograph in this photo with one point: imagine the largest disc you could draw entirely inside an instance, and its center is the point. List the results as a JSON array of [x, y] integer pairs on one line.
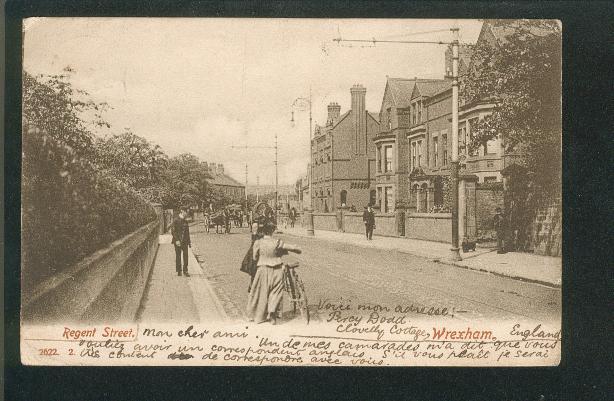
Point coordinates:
[[295, 192]]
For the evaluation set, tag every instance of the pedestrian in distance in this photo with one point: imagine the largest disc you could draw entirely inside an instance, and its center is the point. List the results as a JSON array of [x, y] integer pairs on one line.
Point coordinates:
[[180, 231], [292, 217], [267, 288], [368, 217], [499, 226]]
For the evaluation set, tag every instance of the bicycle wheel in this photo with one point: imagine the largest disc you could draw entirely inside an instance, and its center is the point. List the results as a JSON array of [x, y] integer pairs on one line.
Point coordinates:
[[300, 296]]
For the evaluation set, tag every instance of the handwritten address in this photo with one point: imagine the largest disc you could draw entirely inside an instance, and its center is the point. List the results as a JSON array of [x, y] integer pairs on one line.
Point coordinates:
[[345, 335]]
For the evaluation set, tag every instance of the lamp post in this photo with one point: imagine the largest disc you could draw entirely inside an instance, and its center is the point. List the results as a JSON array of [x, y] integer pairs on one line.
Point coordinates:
[[308, 208], [454, 162]]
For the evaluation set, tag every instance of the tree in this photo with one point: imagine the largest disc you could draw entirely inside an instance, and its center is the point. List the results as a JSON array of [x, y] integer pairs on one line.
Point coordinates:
[[186, 181], [51, 104], [134, 161], [520, 71]]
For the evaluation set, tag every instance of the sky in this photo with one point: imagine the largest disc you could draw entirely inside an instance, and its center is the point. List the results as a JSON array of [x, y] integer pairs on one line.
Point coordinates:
[[203, 85]]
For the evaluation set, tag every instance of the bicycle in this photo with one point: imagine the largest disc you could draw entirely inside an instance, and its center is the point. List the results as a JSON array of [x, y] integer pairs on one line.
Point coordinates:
[[295, 289]]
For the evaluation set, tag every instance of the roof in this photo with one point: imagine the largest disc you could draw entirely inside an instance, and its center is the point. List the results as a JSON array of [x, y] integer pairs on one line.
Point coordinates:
[[223, 179], [402, 89], [430, 88]]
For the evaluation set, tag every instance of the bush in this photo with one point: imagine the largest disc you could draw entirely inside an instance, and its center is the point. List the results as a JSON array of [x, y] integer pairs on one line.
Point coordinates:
[[69, 208]]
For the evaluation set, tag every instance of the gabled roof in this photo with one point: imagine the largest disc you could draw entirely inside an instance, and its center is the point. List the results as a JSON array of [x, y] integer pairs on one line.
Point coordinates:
[[223, 179], [401, 89], [430, 88]]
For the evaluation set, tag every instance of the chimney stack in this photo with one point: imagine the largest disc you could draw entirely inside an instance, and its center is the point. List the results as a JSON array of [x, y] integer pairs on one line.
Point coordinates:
[[360, 121], [220, 169], [334, 110]]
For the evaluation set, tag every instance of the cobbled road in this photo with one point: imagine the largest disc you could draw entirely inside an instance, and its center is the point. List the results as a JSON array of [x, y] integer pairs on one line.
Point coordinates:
[[360, 275]]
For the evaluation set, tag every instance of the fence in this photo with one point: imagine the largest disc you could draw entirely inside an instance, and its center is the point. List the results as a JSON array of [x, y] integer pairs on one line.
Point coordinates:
[[105, 287]]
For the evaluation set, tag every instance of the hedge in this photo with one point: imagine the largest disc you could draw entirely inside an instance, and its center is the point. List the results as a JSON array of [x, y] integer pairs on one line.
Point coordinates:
[[70, 209]]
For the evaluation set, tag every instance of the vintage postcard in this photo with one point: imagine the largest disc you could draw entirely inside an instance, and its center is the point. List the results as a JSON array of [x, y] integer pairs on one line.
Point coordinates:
[[291, 192]]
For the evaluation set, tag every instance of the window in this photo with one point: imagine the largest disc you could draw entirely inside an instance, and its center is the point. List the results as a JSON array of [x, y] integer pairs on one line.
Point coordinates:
[[472, 125], [444, 140], [419, 107], [435, 150], [413, 113], [462, 137], [388, 200], [388, 159], [419, 149], [378, 161], [389, 120], [413, 155], [491, 147], [344, 196]]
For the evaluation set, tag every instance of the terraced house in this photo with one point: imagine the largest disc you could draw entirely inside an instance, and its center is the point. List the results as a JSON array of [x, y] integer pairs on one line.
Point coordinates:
[[392, 142]]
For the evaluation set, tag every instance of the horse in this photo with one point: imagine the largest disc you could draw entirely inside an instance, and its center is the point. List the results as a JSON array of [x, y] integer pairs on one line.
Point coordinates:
[[220, 219]]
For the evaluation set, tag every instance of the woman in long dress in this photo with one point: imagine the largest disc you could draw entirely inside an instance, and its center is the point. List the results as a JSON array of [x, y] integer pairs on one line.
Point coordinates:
[[267, 287]]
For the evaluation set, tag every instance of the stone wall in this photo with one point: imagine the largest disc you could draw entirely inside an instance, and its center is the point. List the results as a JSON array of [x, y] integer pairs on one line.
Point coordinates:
[[105, 287], [547, 228], [325, 221], [429, 226]]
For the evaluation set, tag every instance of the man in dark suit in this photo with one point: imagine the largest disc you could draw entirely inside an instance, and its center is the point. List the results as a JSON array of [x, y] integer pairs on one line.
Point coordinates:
[[499, 226], [368, 217], [181, 239]]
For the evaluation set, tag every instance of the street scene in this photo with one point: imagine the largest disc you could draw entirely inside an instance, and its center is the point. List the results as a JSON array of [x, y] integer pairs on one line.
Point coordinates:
[[272, 174], [373, 276]]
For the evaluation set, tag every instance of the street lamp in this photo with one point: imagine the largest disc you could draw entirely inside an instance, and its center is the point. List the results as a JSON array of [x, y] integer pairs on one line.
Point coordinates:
[[308, 208]]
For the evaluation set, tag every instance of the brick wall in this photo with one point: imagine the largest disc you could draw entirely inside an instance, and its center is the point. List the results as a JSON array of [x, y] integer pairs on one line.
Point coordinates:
[[487, 198], [429, 226]]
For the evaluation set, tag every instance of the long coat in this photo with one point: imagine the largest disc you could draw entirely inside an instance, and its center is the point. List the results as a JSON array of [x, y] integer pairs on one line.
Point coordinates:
[[368, 218], [181, 231]]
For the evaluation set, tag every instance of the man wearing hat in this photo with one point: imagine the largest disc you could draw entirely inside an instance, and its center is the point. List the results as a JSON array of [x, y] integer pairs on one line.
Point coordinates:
[[181, 239], [498, 224], [368, 217]]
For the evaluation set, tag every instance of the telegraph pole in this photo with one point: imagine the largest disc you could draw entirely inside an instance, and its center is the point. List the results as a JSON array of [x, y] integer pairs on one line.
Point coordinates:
[[276, 176], [245, 184], [276, 165], [454, 162]]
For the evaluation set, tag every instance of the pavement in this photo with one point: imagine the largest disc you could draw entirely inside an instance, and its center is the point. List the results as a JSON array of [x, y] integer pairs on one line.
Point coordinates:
[[539, 269], [172, 298]]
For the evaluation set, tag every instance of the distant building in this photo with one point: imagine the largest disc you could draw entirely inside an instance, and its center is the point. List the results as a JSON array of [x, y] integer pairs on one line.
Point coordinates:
[[227, 185], [343, 156]]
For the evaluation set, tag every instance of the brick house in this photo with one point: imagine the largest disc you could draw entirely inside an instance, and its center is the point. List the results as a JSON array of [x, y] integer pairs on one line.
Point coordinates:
[[225, 184], [392, 150], [343, 156]]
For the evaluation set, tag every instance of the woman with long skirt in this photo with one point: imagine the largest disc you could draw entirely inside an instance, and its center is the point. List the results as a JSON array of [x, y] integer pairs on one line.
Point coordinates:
[[267, 287]]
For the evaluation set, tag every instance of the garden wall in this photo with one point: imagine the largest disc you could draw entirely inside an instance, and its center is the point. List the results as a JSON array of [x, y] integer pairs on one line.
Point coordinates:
[[429, 226]]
